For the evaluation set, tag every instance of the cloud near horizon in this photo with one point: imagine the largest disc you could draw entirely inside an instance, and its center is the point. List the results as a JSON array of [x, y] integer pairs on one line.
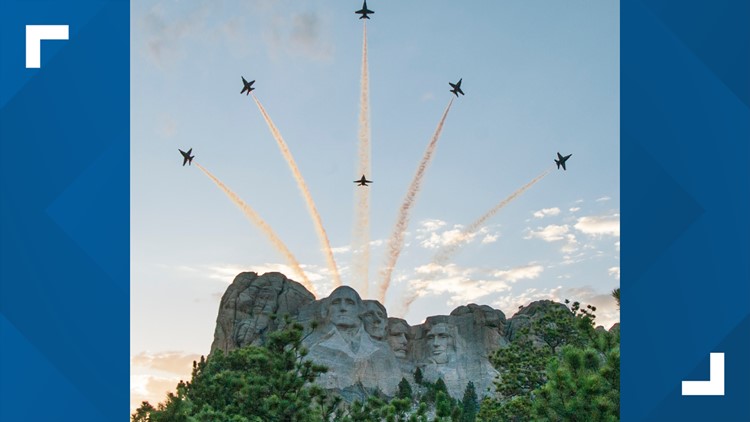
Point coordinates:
[[466, 285], [170, 361]]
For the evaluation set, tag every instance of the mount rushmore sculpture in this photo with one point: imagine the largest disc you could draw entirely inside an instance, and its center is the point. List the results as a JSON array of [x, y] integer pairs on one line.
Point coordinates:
[[364, 349]]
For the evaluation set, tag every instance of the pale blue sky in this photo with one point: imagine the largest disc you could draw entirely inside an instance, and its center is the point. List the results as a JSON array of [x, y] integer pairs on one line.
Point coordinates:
[[539, 77]]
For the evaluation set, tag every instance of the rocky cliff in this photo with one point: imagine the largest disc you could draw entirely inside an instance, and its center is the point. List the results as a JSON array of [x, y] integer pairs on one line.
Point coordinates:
[[364, 349]]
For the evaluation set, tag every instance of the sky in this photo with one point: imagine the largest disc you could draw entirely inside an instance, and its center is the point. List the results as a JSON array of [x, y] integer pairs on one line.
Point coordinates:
[[540, 76]]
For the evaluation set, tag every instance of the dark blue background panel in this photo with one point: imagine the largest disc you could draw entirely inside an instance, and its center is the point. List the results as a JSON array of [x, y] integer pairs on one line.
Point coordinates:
[[64, 166], [685, 189]]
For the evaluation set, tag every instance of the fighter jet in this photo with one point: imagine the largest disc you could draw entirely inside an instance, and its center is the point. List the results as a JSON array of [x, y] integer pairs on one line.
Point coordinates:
[[456, 88], [248, 86], [362, 181], [561, 160], [364, 11], [186, 157]]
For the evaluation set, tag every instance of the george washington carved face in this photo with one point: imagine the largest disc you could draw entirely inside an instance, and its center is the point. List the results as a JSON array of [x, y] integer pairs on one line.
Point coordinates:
[[344, 307]]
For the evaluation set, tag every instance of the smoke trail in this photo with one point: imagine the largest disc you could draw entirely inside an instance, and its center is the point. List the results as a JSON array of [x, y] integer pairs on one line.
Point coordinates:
[[265, 228], [446, 253], [396, 241], [361, 238], [325, 244]]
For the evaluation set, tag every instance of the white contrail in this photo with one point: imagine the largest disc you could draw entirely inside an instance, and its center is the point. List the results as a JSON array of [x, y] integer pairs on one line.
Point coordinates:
[[361, 235], [265, 228], [446, 253], [322, 236], [396, 242]]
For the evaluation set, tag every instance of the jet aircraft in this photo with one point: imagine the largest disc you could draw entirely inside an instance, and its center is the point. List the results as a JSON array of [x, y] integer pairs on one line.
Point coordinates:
[[561, 160], [362, 181], [364, 11], [187, 158], [456, 88], [248, 86]]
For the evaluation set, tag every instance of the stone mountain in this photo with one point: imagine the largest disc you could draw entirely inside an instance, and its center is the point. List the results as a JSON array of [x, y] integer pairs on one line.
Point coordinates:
[[363, 348]]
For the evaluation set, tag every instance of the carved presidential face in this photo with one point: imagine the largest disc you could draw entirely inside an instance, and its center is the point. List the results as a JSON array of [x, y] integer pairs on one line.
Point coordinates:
[[438, 341], [375, 318], [398, 339], [344, 307]]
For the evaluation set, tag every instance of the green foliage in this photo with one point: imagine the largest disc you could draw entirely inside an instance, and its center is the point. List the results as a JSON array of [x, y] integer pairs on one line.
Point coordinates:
[[376, 410], [581, 386], [418, 376], [270, 383], [616, 294], [521, 368], [564, 339], [442, 404], [469, 404], [404, 389]]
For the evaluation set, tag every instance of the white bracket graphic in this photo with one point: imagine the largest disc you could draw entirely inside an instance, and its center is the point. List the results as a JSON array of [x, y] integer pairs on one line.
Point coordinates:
[[34, 36], [715, 384]]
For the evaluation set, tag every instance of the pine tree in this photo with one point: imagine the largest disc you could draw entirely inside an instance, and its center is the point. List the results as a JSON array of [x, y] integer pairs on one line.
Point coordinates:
[[469, 404], [404, 389], [250, 384], [581, 387], [418, 377]]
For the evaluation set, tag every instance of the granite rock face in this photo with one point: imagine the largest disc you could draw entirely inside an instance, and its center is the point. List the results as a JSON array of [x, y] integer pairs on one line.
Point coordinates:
[[248, 304], [364, 349]]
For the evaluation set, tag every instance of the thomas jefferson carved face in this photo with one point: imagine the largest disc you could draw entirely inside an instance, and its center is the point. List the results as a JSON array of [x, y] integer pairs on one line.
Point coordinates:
[[344, 308], [398, 338], [438, 341], [375, 318]]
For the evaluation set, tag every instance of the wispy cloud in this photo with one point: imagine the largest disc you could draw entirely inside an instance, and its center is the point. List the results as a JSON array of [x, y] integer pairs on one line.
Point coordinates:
[[510, 303], [545, 212], [454, 236], [606, 307], [528, 272], [550, 233], [607, 225], [341, 249], [165, 32], [178, 363], [430, 225], [226, 273], [460, 289], [614, 272], [306, 36], [574, 209], [603, 199], [490, 238], [465, 284]]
